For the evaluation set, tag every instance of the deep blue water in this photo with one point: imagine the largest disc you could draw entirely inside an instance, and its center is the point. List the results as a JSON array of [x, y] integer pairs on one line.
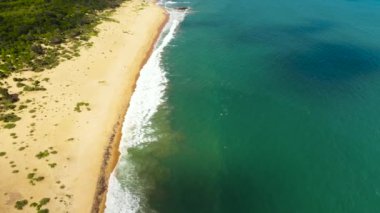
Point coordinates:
[[271, 106]]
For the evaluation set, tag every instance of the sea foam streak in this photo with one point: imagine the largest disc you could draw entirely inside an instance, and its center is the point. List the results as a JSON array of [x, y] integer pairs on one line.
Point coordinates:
[[173, 2], [125, 194]]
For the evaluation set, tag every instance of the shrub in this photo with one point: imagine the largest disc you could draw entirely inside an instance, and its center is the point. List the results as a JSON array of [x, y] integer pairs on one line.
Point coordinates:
[[40, 178], [21, 204], [43, 154], [78, 107], [21, 107], [31, 175], [37, 48], [32, 178], [10, 117], [9, 126], [34, 204], [44, 201], [52, 165]]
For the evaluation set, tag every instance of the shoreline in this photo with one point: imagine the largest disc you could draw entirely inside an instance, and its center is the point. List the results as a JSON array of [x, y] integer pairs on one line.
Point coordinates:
[[82, 147], [112, 154]]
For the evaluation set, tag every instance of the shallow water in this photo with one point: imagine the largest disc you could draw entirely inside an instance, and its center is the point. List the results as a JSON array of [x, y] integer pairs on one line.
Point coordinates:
[[267, 106]]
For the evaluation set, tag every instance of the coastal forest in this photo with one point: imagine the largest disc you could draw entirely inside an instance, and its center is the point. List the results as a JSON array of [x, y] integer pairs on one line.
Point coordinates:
[[37, 34]]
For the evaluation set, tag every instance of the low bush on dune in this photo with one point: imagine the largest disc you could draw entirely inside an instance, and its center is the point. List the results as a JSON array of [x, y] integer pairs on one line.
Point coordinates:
[[21, 204], [9, 126], [10, 117]]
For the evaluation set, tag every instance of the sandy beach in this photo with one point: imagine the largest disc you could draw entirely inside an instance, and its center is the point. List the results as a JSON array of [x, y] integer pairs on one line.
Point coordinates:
[[65, 145]]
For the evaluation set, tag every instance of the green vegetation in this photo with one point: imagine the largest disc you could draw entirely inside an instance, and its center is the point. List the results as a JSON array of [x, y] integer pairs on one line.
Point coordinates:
[[52, 165], [34, 204], [32, 178], [30, 175], [40, 178], [33, 33], [14, 135], [21, 204], [38, 34], [78, 107], [10, 117], [21, 107], [34, 87], [8, 102], [42, 154], [2, 154], [44, 201], [9, 126], [7, 99], [40, 204]]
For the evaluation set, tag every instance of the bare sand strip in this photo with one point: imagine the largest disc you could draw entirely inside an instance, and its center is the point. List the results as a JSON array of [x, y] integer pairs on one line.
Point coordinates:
[[82, 146]]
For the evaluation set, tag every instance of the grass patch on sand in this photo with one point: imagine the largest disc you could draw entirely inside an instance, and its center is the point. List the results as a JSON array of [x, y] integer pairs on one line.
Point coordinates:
[[42, 154], [9, 117], [40, 204], [33, 178], [9, 126], [7, 99], [52, 165], [21, 204], [80, 105]]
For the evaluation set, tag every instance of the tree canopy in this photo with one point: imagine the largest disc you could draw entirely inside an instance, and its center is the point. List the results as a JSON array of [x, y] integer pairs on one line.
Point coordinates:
[[32, 31]]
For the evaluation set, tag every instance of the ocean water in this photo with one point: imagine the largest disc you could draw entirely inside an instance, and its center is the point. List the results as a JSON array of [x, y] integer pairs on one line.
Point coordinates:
[[256, 106]]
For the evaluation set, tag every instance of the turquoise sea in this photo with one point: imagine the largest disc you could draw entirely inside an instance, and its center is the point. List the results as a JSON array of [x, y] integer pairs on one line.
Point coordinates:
[[257, 106]]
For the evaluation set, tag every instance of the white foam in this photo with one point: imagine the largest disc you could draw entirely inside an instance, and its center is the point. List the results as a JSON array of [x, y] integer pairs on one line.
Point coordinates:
[[174, 2], [169, 3], [147, 97]]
